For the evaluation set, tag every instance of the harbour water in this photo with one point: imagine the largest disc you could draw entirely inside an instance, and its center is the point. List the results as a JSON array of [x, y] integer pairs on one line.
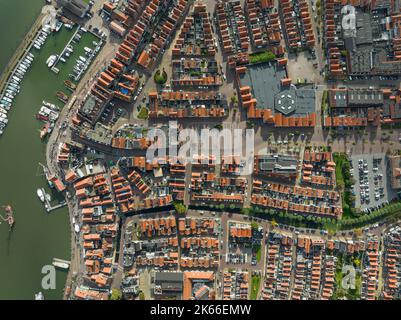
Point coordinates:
[[37, 236]]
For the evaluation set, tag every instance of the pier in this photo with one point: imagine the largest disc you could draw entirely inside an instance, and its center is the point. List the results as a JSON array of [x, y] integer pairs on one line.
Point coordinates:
[[66, 46], [20, 53], [50, 208]]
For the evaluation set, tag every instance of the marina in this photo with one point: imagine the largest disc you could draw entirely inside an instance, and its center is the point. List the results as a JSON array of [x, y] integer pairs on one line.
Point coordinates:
[[60, 263], [11, 86], [24, 151]]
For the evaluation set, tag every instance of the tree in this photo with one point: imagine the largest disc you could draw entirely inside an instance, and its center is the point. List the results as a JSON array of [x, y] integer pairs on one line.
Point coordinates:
[[234, 99], [180, 207], [357, 262], [116, 294], [160, 77], [254, 225]]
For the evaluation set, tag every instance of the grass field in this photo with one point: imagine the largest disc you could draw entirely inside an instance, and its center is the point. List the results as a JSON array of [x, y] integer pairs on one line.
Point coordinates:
[[255, 284]]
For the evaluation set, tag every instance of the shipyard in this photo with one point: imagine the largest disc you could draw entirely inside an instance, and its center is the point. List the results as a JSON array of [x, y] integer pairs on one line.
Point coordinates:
[[97, 85]]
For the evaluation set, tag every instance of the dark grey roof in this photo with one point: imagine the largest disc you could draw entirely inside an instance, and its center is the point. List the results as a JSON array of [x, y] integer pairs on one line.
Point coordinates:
[[265, 81], [363, 28], [168, 277], [277, 163], [77, 7], [362, 60], [365, 97]]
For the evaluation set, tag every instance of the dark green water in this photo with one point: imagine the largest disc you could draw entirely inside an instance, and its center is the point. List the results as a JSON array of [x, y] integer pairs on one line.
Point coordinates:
[[37, 237]]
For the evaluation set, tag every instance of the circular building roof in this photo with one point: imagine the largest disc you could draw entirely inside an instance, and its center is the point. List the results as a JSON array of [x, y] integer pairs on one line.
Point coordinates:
[[285, 102]]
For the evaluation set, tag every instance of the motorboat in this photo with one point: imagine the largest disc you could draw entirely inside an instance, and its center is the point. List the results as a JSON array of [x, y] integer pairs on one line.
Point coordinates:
[[13, 89], [25, 64], [58, 26], [50, 105], [14, 85], [41, 195], [51, 60], [39, 296], [5, 105], [21, 72], [12, 93], [60, 264]]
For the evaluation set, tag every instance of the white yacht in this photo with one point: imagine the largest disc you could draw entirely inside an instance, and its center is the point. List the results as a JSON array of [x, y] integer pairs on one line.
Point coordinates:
[[39, 296], [52, 60], [40, 194]]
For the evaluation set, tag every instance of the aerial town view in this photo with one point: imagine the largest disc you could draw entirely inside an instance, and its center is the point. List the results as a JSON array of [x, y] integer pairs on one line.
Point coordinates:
[[200, 150]]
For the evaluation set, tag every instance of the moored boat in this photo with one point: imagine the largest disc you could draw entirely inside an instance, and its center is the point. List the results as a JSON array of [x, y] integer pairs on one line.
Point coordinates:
[[70, 85], [62, 96], [51, 60], [60, 264], [40, 194], [45, 130], [39, 296], [9, 216]]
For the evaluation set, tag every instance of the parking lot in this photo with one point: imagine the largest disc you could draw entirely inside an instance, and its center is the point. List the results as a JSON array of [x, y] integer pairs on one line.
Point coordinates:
[[371, 187], [247, 250]]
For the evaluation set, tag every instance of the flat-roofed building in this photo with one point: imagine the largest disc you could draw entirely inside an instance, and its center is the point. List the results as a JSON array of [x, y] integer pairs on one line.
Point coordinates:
[[78, 7], [168, 284], [276, 166]]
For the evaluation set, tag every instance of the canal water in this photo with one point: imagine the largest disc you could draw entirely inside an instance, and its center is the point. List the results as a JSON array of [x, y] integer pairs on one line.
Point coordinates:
[[37, 236]]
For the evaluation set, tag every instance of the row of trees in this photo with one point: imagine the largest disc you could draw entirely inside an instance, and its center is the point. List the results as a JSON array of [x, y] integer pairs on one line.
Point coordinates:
[[308, 221], [313, 221]]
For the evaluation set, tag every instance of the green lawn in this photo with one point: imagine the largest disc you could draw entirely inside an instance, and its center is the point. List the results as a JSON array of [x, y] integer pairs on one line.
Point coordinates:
[[258, 250], [344, 183], [340, 159], [143, 113], [350, 294], [255, 284], [261, 57]]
